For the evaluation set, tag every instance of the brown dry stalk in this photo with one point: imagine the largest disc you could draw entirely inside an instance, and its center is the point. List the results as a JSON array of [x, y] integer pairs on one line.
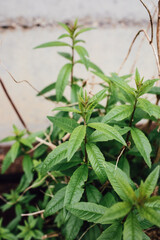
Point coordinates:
[[13, 105], [32, 214], [158, 32], [130, 48], [150, 18], [140, 46]]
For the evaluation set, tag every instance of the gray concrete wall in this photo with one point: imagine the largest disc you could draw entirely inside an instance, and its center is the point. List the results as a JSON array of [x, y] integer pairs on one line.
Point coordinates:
[[27, 23]]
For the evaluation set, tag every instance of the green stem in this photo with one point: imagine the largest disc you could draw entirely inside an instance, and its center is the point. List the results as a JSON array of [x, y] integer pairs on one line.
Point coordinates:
[[72, 61], [131, 120]]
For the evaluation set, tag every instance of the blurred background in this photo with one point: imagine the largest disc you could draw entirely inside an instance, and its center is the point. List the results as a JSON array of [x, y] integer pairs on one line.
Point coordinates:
[[25, 24]]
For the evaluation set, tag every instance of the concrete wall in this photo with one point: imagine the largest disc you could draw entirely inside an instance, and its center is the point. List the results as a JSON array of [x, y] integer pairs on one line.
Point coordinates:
[[27, 23]]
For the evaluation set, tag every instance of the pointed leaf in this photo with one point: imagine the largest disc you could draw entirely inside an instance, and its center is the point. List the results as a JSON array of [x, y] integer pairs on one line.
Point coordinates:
[[94, 67], [27, 167], [83, 30], [155, 90], [151, 181], [65, 27], [148, 107], [47, 89], [74, 189], [96, 159], [8, 139], [132, 229], [150, 214], [147, 85], [93, 195], [10, 156], [110, 131], [142, 144], [75, 140], [65, 55], [120, 182], [118, 113], [66, 124], [62, 80], [63, 36], [54, 157], [66, 109], [122, 84], [114, 232], [52, 44], [82, 52], [56, 203], [90, 212], [102, 76], [26, 142], [72, 227], [98, 136], [118, 210]]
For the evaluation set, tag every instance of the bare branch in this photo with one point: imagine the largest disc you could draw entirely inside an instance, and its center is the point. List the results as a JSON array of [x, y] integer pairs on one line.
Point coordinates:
[[32, 214], [158, 32], [49, 144], [151, 21], [130, 48], [14, 106]]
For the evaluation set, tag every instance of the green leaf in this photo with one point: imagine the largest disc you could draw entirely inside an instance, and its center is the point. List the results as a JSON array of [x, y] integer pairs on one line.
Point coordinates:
[[74, 189], [47, 89], [147, 85], [108, 200], [27, 167], [72, 227], [148, 107], [122, 84], [110, 131], [83, 30], [93, 195], [82, 52], [98, 136], [90, 212], [118, 113], [65, 55], [62, 80], [66, 124], [132, 229], [26, 142], [8, 139], [65, 27], [63, 36], [52, 44], [74, 91], [118, 210], [67, 109], [54, 157], [150, 214], [53, 98], [10, 156], [96, 159], [151, 181], [155, 90], [75, 140], [102, 76], [114, 232], [94, 67], [145, 237], [142, 144], [56, 203], [120, 182], [137, 78]]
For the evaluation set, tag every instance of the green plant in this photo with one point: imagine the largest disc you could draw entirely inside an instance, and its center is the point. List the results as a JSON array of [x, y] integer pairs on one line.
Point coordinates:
[[101, 166]]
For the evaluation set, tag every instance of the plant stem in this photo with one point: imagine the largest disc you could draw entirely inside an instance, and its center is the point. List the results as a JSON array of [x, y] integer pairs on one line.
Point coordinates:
[[13, 105], [131, 120], [72, 61]]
